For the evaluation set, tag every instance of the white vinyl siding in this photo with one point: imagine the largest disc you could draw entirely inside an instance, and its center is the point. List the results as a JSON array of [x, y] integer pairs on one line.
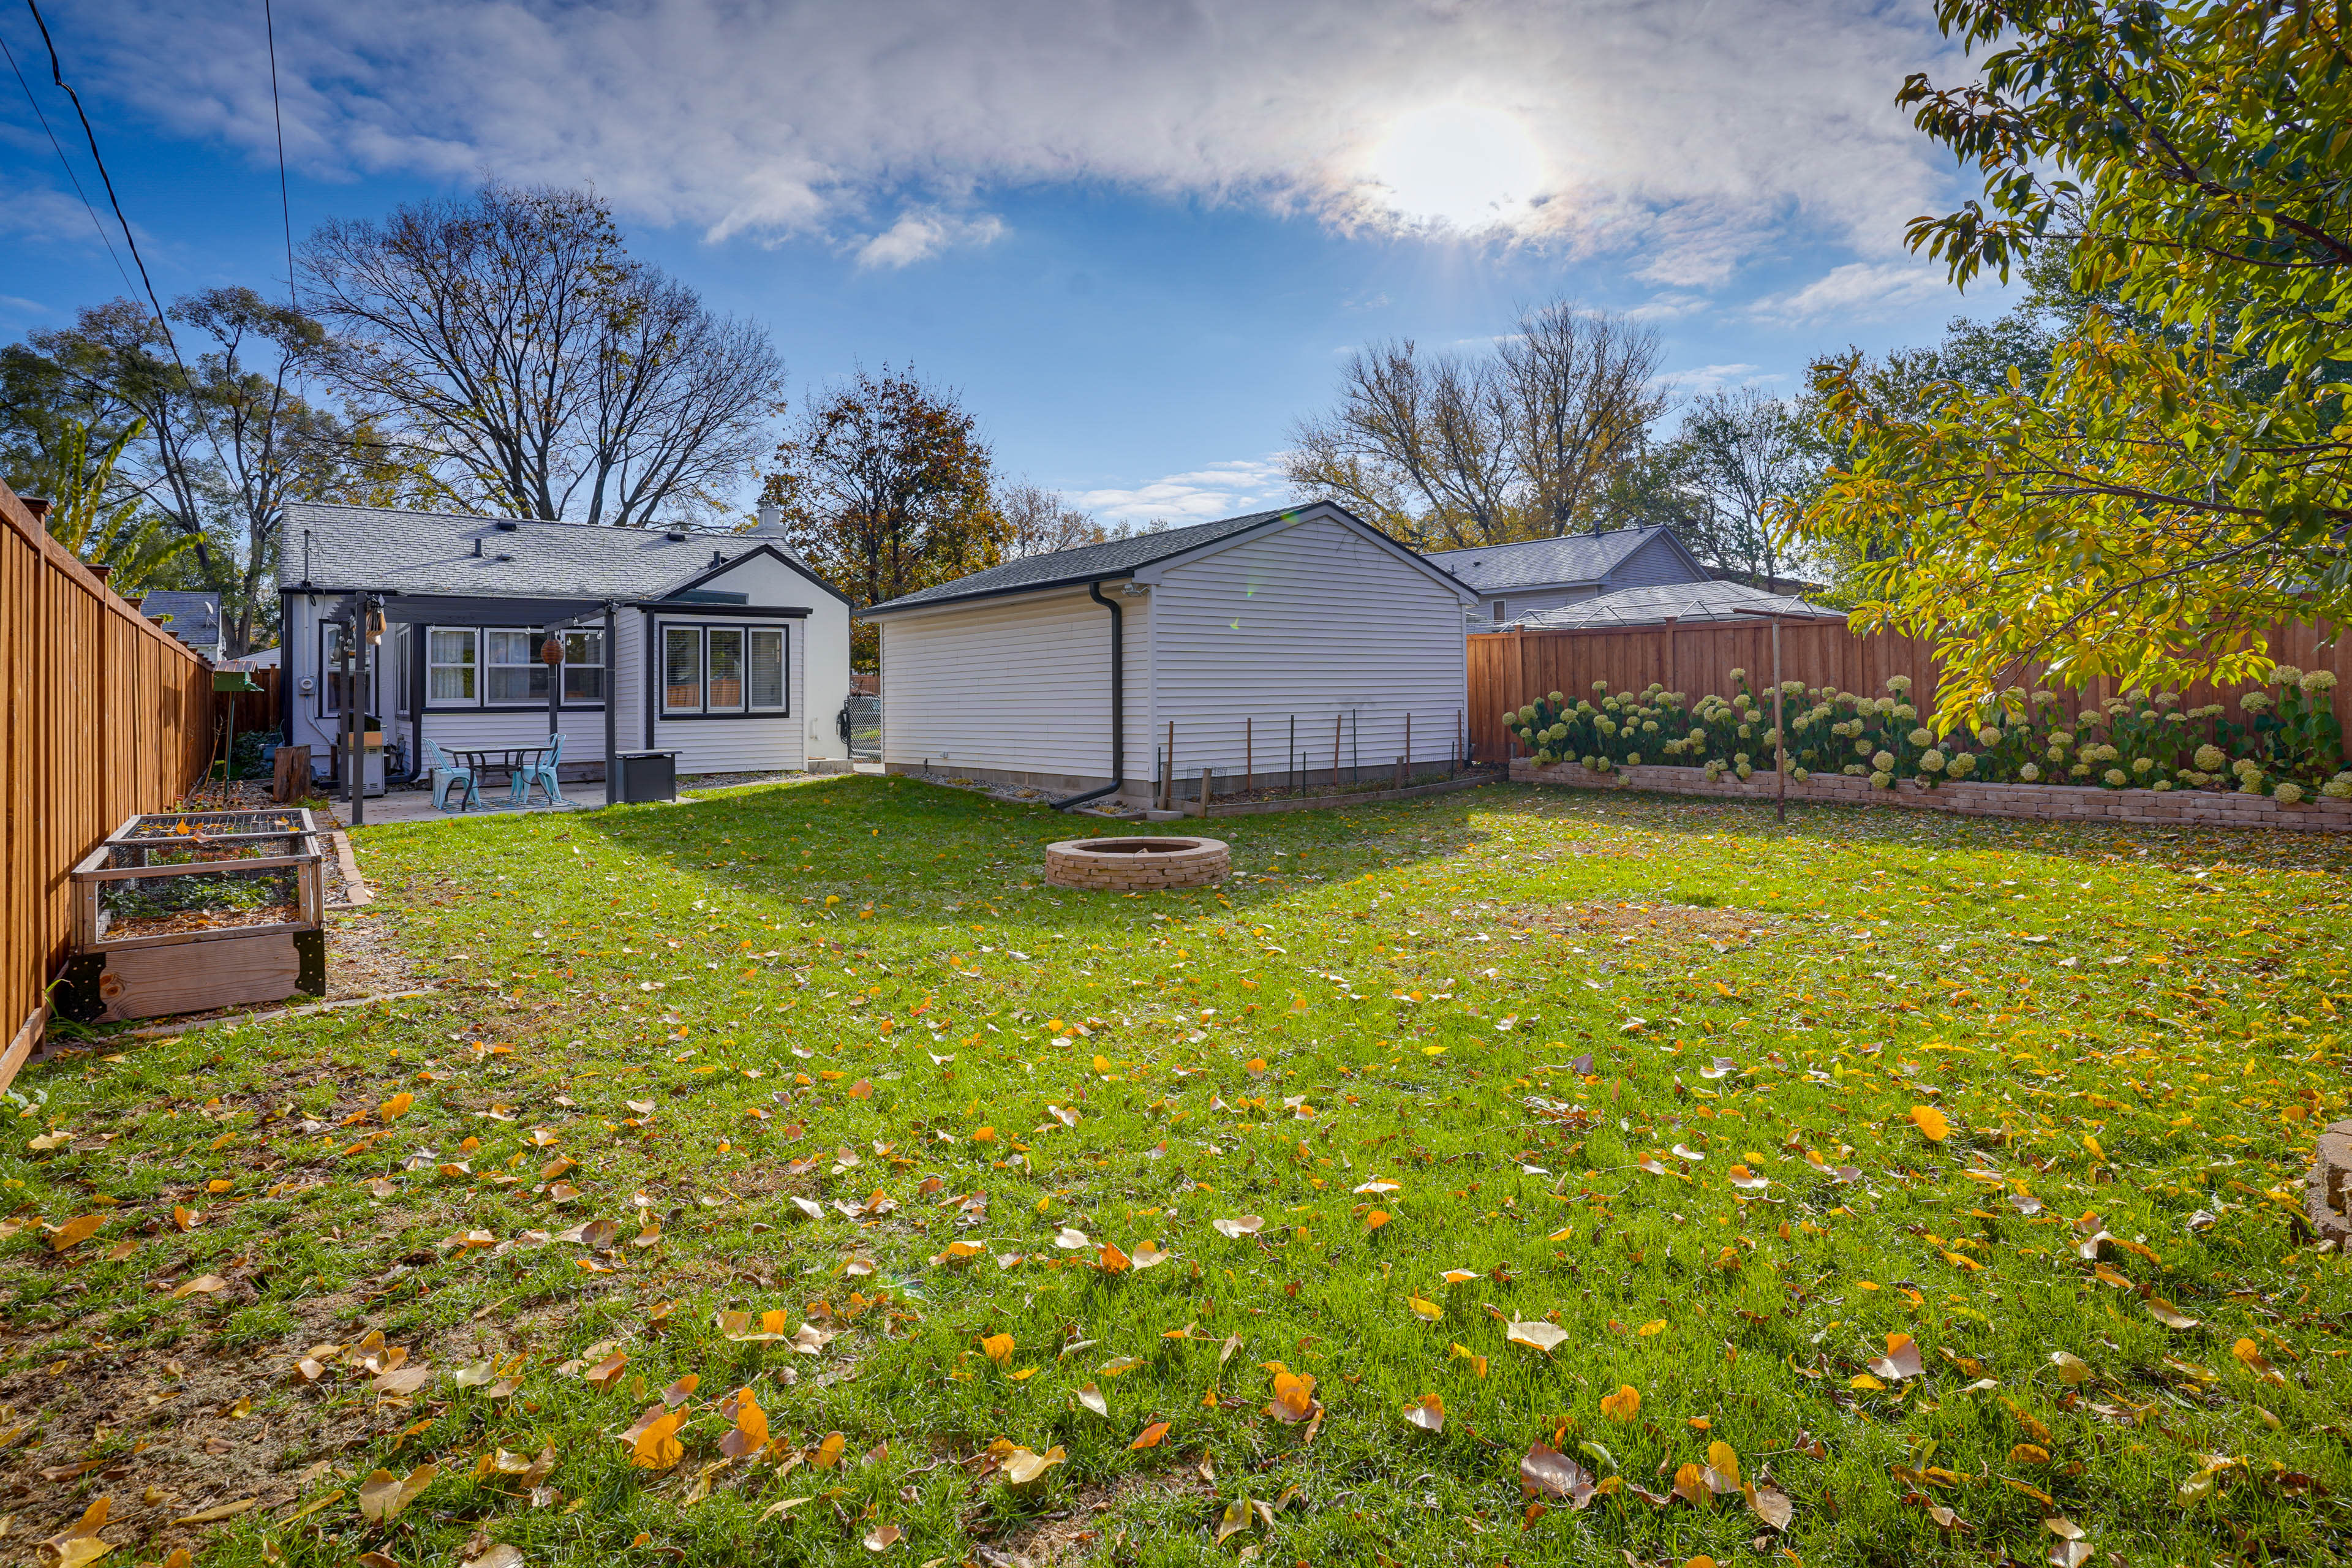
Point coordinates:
[[1536, 601], [1020, 684], [1314, 621]]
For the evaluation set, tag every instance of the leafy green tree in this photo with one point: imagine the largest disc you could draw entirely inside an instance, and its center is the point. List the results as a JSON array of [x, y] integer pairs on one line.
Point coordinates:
[[887, 488], [1747, 454], [90, 516], [2180, 478]]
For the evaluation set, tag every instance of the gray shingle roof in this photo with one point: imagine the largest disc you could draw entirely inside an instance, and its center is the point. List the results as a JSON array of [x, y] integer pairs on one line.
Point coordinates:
[[1113, 558], [195, 616], [382, 548], [1574, 560], [1682, 601]]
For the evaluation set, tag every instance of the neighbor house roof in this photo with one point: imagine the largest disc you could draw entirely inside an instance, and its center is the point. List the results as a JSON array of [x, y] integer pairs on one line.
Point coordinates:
[[337, 549], [1572, 559], [1708, 601], [195, 616]]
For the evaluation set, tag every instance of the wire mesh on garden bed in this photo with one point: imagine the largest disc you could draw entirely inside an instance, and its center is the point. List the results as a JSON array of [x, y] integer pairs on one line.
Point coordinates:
[[170, 875]]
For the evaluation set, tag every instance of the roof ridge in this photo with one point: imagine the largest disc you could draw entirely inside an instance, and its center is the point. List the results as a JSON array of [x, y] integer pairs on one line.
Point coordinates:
[[613, 528]]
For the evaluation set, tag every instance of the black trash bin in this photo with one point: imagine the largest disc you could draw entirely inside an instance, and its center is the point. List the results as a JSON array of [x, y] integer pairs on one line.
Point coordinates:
[[648, 776]]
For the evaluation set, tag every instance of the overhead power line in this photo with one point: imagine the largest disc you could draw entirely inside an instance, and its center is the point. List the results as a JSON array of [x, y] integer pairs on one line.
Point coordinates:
[[58, 75], [285, 204], [65, 163]]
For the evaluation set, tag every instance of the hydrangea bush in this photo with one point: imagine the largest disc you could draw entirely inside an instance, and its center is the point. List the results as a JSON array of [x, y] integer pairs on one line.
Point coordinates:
[[2288, 745]]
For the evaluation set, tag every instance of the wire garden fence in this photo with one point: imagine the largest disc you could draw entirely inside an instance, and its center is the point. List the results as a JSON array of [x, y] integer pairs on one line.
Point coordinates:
[[1328, 752]]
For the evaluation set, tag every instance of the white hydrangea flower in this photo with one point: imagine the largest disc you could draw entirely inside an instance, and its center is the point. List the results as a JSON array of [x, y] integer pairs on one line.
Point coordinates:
[[1738, 676], [2162, 785], [2255, 702], [1931, 761], [1882, 780], [1922, 737], [1961, 765], [2056, 753], [2210, 758], [1633, 759], [1988, 736], [2285, 675], [2117, 777], [2245, 765], [1898, 683], [2141, 764], [2287, 793], [1801, 774], [2030, 773], [1883, 762], [1905, 714], [1744, 770], [2319, 680], [2336, 789], [2080, 770]]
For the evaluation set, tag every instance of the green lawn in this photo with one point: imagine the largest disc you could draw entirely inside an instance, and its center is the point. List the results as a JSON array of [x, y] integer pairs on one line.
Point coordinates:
[[1650, 1081]]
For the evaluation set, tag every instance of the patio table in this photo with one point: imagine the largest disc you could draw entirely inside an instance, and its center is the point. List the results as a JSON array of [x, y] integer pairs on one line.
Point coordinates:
[[513, 759]]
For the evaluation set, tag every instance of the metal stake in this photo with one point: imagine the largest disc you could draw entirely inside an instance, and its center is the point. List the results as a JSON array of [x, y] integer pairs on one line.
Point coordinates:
[[1779, 733]]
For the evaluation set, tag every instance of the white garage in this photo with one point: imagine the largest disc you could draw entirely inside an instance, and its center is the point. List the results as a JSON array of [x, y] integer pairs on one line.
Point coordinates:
[[1275, 649]]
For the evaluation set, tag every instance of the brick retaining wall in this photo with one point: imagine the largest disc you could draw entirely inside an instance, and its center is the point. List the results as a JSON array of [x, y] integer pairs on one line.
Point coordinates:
[[2327, 1195], [2054, 803]]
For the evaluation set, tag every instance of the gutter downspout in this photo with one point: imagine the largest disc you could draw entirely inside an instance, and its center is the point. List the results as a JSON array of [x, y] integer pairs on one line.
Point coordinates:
[[1118, 703]]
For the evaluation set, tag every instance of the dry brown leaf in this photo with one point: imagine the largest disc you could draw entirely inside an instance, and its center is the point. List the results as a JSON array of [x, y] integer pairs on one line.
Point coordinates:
[[1901, 1360], [1537, 1335], [1545, 1472], [1428, 1413], [383, 1495]]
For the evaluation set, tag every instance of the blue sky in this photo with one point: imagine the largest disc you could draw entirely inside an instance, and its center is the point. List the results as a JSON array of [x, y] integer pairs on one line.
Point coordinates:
[[1138, 236]]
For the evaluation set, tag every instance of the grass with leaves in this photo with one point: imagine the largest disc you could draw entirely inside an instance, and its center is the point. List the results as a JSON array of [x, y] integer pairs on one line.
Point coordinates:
[[792, 1175]]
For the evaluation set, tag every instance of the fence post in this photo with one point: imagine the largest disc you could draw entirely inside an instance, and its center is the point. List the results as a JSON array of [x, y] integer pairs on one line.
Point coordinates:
[[1457, 741], [1339, 722], [1780, 733], [1204, 794], [1408, 739], [1168, 772], [1400, 778], [1249, 755]]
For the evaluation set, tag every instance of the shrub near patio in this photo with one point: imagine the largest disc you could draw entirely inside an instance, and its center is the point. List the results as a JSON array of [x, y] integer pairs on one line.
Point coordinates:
[[2289, 745], [793, 1176]]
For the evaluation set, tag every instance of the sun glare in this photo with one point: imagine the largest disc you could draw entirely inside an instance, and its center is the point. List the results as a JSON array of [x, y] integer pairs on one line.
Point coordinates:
[[1459, 165]]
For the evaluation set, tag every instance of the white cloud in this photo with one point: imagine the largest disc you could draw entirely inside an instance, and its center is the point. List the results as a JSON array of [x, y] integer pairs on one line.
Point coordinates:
[[1670, 136], [922, 234], [1707, 378], [1858, 291], [1204, 495]]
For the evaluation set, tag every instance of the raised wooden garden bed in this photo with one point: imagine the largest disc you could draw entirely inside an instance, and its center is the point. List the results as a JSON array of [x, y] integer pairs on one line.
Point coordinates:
[[182, 911]]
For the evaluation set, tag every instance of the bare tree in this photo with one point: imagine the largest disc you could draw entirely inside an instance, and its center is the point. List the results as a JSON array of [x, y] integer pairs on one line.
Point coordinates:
[[1745, 451], [1580, 402], [512, 339], [1447, 451], [1042, 522]]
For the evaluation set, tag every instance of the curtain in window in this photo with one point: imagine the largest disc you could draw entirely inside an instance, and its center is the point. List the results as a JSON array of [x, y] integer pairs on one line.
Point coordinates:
[[515, 673], [449, 664]]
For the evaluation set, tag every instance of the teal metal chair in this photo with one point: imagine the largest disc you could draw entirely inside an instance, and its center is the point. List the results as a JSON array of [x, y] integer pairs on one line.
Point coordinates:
[[447, 775], [542, 774]]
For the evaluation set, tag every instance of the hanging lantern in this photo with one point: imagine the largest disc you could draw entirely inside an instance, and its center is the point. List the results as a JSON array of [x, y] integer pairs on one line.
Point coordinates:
[[552, 650]]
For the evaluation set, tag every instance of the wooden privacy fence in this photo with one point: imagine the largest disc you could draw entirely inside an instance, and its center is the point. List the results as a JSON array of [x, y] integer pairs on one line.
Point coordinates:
[[102, 714], [1510, 670]]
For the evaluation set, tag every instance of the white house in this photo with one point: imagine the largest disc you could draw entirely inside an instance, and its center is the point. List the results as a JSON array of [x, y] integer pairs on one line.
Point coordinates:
[[1516, 581], [724, 647], [1278, 644]]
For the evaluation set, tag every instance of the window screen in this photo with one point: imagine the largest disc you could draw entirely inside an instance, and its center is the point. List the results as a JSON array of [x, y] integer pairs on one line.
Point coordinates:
[[681, 669], [449, 665], [723, 693], [766, 667]]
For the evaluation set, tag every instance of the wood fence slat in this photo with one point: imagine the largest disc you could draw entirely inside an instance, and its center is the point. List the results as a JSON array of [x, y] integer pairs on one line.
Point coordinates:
[[102, 714]]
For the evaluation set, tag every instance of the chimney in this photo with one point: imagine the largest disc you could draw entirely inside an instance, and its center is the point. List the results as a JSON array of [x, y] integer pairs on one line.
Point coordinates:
[[771, 520]]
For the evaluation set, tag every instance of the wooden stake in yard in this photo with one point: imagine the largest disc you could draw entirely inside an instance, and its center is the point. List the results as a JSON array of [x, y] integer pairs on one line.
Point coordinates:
[[1168, 775], [1339, 721], [1779, 733], [1249, 755], [1457, 740], [1408, 741], [1400, 778], [1204, 794]]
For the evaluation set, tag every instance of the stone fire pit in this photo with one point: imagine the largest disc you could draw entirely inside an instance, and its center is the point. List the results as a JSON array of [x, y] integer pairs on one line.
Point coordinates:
[[1136, 865]]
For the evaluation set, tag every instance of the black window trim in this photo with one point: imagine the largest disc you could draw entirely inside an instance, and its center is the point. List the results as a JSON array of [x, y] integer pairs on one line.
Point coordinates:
[[657, 672], [482, 703]]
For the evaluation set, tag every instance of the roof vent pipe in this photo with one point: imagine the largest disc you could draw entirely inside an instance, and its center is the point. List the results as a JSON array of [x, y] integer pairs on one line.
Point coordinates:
[[719, 557], [676, 536], [508, 525], [478, 548]]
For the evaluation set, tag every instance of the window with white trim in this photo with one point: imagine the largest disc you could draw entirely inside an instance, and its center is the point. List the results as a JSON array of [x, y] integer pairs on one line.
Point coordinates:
[[583, 666], [511, 668], [451, 655], [729, 670]]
